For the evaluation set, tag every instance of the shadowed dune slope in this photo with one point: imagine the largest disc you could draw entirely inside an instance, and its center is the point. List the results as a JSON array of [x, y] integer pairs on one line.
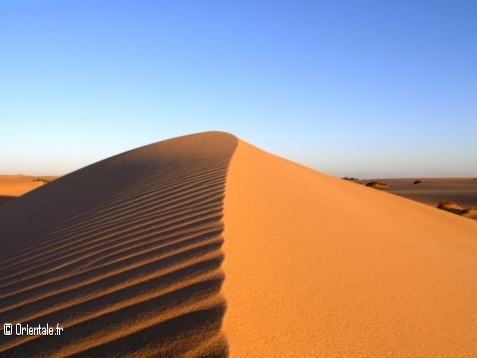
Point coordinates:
[[319, 267], [6, 198], [124, 254]]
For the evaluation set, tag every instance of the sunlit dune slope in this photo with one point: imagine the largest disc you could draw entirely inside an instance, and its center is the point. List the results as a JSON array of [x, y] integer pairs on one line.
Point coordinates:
[[319, 267], [124, 254]]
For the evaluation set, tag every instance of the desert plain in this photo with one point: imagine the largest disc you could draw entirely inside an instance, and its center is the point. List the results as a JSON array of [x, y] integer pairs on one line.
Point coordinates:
[[13, 186], [207, 246], [432, 191]]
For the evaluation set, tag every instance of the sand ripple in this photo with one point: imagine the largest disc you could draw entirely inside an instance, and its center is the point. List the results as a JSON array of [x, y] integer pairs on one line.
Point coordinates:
[[125, 254]]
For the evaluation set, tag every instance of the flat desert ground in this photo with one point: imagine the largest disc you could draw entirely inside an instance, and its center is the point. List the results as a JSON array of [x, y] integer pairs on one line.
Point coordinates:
[[432, 191], [206, 246], [12, 186]]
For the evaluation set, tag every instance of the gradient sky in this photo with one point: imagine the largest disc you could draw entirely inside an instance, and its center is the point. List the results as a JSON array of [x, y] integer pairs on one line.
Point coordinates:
[[350, 88]]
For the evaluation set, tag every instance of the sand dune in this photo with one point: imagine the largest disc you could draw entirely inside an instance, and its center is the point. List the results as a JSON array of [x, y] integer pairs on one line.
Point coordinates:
[[205, 246], [125, 254]]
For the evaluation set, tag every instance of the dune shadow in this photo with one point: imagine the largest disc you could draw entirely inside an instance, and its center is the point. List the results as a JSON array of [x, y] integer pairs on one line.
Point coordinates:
[[5, 199], [124, 254]]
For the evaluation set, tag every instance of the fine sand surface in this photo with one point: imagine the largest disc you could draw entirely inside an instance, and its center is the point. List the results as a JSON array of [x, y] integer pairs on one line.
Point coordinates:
[[12, 186], [317, 266], [205, 246]]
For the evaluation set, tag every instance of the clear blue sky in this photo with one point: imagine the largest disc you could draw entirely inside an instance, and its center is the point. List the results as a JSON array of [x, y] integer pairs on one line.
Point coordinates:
[[350, 88]]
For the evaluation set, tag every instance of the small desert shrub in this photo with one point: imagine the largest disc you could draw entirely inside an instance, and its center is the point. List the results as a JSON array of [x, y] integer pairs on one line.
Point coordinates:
[[451, 207], [447, 204], [417, 181], [377, 184], [45, 181]]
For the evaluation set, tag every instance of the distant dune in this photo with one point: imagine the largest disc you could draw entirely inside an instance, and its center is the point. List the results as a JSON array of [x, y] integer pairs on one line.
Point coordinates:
[[206, 246]]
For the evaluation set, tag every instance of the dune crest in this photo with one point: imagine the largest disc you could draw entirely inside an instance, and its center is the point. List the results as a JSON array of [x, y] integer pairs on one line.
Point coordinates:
[[124, 254], [316, 266]]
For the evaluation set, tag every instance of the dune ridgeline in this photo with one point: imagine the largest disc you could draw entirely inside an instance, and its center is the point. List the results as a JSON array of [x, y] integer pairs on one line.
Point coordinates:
[[206, 246]]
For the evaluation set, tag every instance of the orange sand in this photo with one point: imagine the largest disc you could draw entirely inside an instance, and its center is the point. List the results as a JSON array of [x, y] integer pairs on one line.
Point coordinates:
[[319, 267], [12, 186], [205, 246]]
